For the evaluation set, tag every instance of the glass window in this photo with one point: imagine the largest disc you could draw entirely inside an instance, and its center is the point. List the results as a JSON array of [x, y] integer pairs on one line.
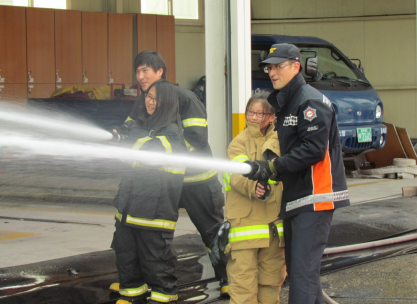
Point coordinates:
[[331, 64], [60, 4], [257, 72], [14, 2], [20, 2], [158, 7], [185, 9]]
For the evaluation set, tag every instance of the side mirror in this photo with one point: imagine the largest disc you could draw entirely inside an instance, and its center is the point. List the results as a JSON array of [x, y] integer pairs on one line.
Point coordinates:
[[312, 68]]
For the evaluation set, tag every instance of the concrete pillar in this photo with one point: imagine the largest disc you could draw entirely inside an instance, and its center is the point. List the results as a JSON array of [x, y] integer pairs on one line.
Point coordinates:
[[241, 69], [228, 84], [215, 35]]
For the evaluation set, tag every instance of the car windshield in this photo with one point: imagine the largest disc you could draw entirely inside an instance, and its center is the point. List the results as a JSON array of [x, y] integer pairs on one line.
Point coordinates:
[[330, 63]]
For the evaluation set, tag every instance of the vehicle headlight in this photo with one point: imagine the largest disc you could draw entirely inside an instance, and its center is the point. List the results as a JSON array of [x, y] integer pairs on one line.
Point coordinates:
[[378, 112]]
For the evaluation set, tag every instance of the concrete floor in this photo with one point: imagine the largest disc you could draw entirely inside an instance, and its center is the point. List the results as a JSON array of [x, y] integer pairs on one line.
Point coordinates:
[[42, 227]]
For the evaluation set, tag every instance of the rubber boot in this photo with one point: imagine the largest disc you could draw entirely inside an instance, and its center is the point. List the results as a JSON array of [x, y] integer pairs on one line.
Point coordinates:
[[115, 287], [224, 289]]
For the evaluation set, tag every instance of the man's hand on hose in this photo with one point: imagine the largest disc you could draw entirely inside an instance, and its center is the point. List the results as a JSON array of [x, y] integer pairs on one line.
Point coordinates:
[[261, 170], [271, 156], [219, 245]]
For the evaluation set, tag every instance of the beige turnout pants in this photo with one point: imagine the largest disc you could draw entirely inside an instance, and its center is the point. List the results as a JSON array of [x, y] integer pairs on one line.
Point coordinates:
[[256, 275]]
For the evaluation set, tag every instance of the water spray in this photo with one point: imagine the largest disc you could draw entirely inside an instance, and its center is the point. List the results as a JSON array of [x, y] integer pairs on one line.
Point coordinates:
[[50, 126], [82, 150], [58, 123]]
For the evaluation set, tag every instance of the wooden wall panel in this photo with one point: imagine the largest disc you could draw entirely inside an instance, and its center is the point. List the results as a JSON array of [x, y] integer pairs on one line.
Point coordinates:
[[68, 46], [13, 45], [40, 45], [14, 93], [165, 43], [146, 29], [40, 90], [120, 41], [94, 46]]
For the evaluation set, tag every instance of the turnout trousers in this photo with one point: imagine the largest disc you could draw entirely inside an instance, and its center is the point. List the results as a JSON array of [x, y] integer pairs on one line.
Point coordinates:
[[204, 204], [145, 258], [306, 237], [256, 274]]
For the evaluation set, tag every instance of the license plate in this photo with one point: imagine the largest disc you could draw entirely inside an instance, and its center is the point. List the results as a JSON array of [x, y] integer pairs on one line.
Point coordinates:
[[364, 134]]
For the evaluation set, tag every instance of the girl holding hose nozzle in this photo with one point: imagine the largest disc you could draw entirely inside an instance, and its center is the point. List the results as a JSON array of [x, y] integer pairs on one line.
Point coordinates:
[[256, 266], [147, 203]]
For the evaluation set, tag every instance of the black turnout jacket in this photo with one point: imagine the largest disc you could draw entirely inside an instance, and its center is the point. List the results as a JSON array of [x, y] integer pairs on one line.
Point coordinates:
[[194, 120], [148, 195], [311, 162]]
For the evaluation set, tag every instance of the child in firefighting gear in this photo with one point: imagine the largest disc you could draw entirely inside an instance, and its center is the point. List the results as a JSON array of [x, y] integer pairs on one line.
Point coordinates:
[[256, 266], [147, 203], [202, 194]]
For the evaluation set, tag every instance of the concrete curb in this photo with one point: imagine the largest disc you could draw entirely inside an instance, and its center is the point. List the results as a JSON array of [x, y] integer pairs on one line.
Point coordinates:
[[100, 196]]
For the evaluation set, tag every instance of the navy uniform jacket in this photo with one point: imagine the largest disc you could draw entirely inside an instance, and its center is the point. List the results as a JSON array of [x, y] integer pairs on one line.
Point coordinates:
[[311, 162]]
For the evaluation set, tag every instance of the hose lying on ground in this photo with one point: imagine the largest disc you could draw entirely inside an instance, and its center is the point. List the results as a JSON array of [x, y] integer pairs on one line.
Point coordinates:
[[367, 245]]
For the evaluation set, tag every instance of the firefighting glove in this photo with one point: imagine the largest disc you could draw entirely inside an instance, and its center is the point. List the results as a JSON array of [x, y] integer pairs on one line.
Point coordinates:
[[118, 136], [220, 242], [122, 132], [260, 170], [269, 155]]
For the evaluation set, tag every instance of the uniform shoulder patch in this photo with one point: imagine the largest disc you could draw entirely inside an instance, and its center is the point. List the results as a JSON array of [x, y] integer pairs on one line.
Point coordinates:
[[327, 102], [310, 114]]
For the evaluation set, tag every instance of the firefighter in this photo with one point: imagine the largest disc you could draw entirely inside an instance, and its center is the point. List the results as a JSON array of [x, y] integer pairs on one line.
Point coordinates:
[[201, 194], [310, 166], [147, 203], [256, 266]]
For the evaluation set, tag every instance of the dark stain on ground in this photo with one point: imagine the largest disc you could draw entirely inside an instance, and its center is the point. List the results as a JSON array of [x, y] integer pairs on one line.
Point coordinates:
[[52, 282], [373, 221]]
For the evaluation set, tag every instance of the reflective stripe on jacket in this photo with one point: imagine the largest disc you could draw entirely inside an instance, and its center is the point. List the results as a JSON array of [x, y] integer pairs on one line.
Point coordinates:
[[168, 149], [311, 164], [250, 217], [194, 120], [148, 195]]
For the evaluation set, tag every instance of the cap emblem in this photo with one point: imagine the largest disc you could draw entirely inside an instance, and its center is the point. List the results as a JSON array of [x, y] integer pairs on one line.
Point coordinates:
[[272, 50]]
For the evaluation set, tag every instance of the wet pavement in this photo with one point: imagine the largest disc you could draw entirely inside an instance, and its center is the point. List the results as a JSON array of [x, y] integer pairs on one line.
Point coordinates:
[[377, 275], [29, 190]]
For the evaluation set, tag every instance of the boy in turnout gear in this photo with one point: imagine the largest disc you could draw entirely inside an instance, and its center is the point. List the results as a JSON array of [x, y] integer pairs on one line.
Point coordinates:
[[311, 169], [147, 203], [256, 266], [201, 193]]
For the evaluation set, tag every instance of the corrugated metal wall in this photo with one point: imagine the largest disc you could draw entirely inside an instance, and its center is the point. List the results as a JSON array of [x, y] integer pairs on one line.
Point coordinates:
[[382, 33]]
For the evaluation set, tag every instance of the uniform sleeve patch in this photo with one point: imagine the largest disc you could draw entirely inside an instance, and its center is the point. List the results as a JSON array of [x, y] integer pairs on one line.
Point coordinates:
[[313, 128], [327, 102], [310, 114]]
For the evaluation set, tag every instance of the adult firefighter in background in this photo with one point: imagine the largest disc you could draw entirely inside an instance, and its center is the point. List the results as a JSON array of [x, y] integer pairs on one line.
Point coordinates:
[[310, 166]]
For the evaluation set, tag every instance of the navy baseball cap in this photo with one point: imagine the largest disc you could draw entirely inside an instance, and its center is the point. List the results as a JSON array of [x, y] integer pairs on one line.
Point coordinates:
[[281, 52]]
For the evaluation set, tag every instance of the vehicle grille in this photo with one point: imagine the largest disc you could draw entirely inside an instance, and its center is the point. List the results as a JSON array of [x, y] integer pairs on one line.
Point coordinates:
[[352, 145]]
